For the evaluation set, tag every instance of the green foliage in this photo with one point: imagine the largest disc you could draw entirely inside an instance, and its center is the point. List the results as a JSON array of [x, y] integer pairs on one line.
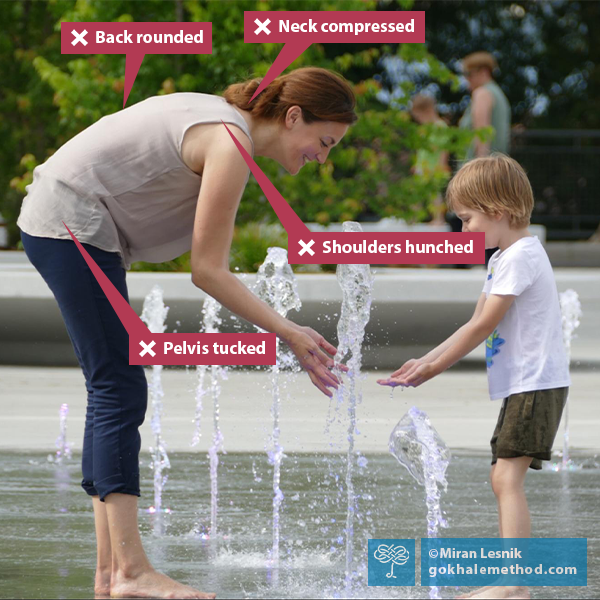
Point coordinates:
[[248, 250], [50, 98], [251, 242]]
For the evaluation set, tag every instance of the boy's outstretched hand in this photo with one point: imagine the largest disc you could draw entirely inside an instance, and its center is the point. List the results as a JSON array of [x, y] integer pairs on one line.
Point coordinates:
[[411, 374]]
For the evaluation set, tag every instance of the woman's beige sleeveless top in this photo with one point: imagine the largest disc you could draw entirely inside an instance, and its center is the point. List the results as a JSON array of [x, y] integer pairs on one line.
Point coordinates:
[[121, 184]]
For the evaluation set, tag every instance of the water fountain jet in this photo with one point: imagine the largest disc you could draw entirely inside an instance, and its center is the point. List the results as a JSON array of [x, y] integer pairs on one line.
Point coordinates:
[[154, 314], [571, 314], [416, 445], [276, 285], [356, 282]]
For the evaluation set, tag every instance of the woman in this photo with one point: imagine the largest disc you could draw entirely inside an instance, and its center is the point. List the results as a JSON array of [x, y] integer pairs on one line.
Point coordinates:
[[149, 183]]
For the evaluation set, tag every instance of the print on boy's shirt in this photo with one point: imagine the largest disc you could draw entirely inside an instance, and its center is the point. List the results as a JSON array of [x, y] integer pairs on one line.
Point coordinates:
[[492, 347], [491, 274]]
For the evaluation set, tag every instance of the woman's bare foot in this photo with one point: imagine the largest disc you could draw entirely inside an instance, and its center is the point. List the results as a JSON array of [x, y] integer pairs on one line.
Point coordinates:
[[152, 584], [102, 583]]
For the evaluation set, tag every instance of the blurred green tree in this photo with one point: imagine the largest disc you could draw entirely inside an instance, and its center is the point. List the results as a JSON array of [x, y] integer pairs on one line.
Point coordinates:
[[547, 52]]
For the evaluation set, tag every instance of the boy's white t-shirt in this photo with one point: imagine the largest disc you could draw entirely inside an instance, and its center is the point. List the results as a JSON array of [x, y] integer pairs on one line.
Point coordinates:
[[526, 351]]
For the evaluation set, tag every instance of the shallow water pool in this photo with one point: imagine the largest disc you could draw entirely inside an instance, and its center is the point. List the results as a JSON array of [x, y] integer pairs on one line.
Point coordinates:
[[47, 540]]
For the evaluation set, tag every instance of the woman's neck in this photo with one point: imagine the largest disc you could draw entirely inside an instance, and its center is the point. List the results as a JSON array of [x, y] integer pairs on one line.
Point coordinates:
[[265, 135]]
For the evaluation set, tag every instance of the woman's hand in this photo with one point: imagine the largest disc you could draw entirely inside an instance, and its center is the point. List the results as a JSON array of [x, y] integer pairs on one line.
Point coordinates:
[[310, 349]]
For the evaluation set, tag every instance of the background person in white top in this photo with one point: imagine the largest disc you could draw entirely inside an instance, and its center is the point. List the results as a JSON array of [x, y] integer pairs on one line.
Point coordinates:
[[518, 315], [150, 183]]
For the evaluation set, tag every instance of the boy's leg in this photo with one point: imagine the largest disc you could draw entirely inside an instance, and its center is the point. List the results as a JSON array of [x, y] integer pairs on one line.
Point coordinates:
[[487, 587], [493, 470], [507, 483], [494, 446], [508, 478]]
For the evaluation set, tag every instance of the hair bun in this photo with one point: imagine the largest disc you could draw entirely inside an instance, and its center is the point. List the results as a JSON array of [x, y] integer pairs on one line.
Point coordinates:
[[321, 94]]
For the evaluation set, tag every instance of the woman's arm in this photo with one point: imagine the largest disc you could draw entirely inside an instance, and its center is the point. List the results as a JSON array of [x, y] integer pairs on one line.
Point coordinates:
[[224, 177]]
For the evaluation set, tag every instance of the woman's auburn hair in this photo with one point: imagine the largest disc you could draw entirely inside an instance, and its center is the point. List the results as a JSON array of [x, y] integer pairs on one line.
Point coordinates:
[[321, 94]]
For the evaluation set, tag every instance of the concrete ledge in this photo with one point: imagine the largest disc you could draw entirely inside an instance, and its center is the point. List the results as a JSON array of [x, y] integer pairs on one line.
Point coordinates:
[[457, 403], [413, 309], [574, 254]]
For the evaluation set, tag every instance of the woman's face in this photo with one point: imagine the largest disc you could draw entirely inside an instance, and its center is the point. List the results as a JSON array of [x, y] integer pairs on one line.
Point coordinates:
[[302, 143]]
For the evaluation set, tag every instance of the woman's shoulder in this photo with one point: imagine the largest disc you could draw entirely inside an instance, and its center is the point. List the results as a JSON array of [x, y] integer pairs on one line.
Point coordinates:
[[191, 99]]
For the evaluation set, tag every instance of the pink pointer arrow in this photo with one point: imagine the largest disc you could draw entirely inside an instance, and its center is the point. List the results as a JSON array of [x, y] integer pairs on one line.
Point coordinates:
[[133, 324], [289, 219]]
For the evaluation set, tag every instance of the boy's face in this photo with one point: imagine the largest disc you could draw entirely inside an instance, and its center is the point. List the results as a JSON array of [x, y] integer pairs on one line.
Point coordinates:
[[475, 221]]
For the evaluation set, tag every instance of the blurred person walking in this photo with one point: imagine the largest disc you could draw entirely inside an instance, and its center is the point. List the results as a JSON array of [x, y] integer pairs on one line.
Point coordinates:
[[488, 107]]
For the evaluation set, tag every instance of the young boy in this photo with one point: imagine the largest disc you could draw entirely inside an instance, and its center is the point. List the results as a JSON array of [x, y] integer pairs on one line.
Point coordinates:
[[519, 315]]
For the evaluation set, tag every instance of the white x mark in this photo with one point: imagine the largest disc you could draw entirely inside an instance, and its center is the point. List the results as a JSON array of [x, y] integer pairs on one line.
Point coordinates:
[[262, 27], [79, 37], [147, 348], [306, 248]]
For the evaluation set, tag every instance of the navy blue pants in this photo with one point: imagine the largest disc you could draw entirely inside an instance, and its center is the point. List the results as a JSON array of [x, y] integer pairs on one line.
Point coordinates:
[[117, 391]]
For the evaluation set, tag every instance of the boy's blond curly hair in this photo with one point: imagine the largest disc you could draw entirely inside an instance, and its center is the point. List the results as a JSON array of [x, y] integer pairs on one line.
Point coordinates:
[[493, 184]]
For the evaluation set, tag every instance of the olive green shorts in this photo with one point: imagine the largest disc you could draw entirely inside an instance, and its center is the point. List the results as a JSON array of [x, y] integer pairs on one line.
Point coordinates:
[[527, 425]]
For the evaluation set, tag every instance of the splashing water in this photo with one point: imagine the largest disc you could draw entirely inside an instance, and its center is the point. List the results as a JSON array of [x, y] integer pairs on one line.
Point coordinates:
[[199, 394], [276, 285], [154, 315], [356, 282], [211, 322], [418, 447], [63, 447], [571, 314]]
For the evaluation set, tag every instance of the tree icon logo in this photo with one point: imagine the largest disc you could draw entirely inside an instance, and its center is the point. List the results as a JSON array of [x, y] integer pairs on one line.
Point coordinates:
[[397, 555]]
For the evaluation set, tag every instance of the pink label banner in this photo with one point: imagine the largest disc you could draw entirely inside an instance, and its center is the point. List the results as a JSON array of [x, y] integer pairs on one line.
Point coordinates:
[[203, 349], [299, 29], [389, 248], [135, 40]]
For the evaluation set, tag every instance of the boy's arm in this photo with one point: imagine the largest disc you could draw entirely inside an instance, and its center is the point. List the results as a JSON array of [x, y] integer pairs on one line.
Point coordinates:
[[409, 366], [439, 350], [488, 313], [473, 333]]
